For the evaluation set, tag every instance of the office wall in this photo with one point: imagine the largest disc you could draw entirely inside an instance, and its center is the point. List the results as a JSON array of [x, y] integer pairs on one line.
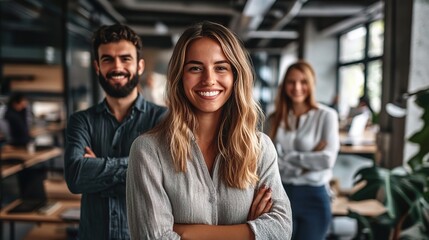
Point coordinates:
[[321, 52], [419, 71]]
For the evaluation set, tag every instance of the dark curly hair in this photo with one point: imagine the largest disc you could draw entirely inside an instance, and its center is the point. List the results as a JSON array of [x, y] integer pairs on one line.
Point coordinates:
[[115, 33]]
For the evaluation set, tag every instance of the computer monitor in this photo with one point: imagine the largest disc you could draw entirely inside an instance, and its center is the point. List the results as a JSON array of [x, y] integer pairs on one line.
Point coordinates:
[[32, 190]]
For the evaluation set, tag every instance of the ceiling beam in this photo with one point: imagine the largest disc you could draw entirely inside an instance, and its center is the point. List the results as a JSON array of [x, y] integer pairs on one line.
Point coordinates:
[[251, 17], [153, 31], [111, 10], [273, 34], [330, 10], [291, 14], [372, 12], [185, 8]]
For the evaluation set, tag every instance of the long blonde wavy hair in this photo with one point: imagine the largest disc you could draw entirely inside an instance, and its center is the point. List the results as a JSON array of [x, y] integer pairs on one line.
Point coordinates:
[[238, 140], [283, 103]]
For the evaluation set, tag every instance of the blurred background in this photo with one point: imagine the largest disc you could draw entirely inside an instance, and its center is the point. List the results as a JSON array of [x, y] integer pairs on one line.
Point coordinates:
[[378, 49]]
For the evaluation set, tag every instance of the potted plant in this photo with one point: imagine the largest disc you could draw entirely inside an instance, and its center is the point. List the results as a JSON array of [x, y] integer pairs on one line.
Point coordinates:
[[403, 191]]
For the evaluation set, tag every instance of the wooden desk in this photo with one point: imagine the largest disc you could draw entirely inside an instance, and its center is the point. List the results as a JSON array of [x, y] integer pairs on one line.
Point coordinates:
[[50, 226], [365, 145], [54, 217], [358, 149], [29, 159], [370, 208], [51, 128], [57, 189], [48, 231]]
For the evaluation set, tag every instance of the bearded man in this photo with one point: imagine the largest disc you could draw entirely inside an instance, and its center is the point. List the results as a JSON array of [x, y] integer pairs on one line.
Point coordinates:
[[98, 139]]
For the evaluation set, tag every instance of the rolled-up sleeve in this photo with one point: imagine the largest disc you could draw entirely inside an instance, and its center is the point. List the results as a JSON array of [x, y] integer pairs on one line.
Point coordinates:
[[148, 205], [277, 224], [324, 159], [89, 175]]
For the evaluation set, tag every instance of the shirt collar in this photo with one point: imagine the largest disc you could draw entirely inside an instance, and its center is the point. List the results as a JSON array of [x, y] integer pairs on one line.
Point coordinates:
[[140, 104]]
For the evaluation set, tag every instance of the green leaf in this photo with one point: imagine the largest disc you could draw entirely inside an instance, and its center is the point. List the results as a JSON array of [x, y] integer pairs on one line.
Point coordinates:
[[365, 225]]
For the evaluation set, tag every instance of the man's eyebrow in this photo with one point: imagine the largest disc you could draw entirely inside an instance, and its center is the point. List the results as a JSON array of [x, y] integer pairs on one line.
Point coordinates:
[[126, 55], [110, 56], [106, 56]]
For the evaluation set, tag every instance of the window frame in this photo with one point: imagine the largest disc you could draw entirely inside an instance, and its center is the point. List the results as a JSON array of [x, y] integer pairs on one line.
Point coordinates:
[[365, 61]]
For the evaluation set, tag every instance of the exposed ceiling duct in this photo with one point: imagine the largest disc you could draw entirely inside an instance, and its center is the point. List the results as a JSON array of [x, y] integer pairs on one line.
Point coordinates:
[[261, 24]]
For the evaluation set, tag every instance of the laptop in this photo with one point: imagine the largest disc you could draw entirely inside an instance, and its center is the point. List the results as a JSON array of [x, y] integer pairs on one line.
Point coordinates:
[[31, 189], [357, 129]]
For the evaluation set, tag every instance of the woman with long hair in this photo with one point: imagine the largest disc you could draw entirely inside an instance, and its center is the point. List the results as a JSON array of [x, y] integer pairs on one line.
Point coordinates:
[[306, 136], [206, 172]]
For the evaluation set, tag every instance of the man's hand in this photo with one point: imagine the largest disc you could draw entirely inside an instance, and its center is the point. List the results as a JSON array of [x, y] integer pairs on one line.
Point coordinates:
[[261, 204], [89, 153]]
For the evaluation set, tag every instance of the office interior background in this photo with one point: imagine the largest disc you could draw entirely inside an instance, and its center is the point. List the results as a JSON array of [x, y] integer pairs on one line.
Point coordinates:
[[357, 47]]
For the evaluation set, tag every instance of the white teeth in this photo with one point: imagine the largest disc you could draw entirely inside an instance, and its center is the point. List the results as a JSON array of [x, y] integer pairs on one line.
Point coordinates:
[[209, 94], [117, 77]]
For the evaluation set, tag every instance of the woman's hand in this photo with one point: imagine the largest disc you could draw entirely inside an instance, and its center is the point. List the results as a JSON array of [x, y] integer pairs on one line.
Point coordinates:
[[320, 146], [261, 204]]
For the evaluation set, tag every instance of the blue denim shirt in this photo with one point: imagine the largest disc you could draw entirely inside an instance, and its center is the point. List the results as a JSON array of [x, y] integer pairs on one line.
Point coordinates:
[[101, 180]]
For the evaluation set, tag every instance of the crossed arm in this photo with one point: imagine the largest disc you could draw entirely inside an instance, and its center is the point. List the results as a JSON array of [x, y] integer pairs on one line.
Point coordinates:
[[261, 204], [84, 171]]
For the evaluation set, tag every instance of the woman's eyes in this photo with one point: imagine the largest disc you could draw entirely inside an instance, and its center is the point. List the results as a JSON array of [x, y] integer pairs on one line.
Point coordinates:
[[216, 68], [195, 69], [221, 68], [293, 82]]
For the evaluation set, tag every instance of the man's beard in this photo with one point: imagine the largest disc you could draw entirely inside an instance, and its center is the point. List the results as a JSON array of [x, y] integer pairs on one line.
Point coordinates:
[[118, 91]]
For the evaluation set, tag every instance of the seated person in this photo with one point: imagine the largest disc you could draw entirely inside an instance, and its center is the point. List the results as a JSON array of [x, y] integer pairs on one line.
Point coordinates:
[[17, 118], [363, 107]]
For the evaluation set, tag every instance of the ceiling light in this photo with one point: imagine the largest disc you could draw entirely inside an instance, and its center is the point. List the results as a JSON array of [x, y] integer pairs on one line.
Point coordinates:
[[398, 107], [161, 28]]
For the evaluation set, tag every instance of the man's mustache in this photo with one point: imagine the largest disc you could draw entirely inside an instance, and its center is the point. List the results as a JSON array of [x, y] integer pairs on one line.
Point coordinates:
[[116, 73]]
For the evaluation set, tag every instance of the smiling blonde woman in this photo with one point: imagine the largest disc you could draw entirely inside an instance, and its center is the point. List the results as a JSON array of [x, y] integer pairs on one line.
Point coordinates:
[[206, 172]]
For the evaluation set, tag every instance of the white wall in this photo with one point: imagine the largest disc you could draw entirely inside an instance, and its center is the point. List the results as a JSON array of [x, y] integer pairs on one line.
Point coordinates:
[[419, 71], [321, 52]]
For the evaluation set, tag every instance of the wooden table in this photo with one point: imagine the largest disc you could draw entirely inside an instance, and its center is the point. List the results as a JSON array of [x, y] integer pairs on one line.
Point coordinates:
[[358, 149], [36, 217], [50, 226], [364, 145], [57, 189], [54, 217], [28, 159], [369, 208], [51, 128], [48, 231]]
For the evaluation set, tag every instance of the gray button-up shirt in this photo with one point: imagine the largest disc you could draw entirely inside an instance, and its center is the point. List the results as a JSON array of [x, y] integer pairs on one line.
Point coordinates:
[[158, 196], [101, 180]]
